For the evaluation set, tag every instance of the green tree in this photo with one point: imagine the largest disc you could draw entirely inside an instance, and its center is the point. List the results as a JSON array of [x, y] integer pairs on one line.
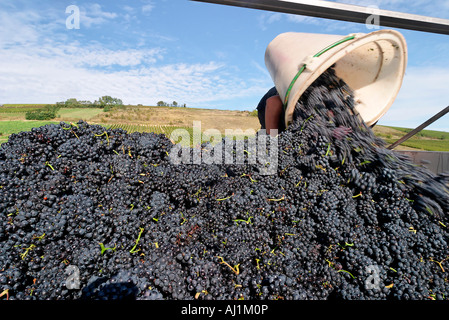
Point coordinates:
[[108, 103], [71, 103], [47, 113]]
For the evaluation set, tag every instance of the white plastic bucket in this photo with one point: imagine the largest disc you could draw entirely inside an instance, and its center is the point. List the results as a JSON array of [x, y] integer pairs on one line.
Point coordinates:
[[372, 64]]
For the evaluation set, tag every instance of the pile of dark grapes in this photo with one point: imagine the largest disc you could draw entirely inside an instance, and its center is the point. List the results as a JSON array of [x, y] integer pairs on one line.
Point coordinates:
[[93, 213]]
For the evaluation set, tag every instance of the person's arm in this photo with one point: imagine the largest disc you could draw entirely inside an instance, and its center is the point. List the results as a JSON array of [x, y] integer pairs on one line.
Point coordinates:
[[273, 111]]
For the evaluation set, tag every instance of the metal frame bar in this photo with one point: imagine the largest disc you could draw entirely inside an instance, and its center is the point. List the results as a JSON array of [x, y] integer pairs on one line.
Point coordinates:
[[419, 128], [344, 12]]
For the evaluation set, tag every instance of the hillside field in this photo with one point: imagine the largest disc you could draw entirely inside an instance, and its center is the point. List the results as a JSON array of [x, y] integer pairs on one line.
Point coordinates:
[[166, 119]]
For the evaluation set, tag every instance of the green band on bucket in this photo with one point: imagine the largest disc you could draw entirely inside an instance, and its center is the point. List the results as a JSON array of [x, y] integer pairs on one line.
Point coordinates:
[[305, 65]]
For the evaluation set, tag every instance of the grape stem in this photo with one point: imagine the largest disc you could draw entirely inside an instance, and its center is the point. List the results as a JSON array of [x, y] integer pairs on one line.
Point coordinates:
[[225, 198], [280, 199], [341, 270], [104, 133], [235, 269], [133, 250], [48, 164], [23, 255], [103, 248], [440, 262], [5, 293]]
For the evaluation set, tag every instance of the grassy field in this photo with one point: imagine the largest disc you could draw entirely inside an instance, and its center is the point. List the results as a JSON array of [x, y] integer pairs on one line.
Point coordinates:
[[427, 140], [17, 112], [15, 126], [18, 107], [167, 119], [74, 114]]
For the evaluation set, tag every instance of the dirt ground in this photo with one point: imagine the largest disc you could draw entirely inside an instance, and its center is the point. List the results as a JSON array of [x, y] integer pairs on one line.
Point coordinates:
[[185, 117]]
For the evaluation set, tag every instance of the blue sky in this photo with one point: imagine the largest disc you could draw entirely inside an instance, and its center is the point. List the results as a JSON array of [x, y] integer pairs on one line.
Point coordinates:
[[201, 54]]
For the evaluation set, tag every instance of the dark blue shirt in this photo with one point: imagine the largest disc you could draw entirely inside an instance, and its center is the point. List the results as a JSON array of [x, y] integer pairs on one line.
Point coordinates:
[[261, 110]]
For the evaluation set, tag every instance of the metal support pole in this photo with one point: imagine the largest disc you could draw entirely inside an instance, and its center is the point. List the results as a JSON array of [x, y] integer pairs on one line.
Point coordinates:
[[418, 129], [345, 12]]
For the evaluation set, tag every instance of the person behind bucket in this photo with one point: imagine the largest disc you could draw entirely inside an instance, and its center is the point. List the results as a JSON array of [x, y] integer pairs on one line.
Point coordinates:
[[270, 111]]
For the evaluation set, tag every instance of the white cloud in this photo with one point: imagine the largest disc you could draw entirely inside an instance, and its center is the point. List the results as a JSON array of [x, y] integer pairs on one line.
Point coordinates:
[[40, 63], [274, 17], [128, 9], [266, 19], [326, 25], [147, 7], [263, 69], [93, 14], [105, 57], [423, 94], [18, 28], [32, 78], [55, 71], [303, 19]]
